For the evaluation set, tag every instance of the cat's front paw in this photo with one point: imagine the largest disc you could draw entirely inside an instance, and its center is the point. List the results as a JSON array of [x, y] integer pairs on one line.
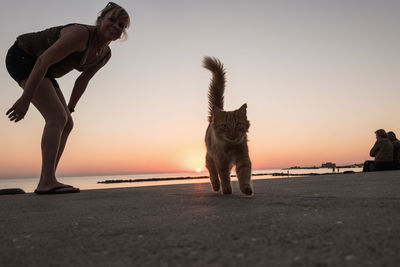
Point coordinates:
[[247, 190], [227, 191], [215, 187]]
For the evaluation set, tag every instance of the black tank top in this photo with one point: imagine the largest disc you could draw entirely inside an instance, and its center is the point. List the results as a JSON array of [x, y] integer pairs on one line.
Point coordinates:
[[36, 43]]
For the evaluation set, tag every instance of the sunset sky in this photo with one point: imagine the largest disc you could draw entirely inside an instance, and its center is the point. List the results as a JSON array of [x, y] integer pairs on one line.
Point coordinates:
[[318, 76]]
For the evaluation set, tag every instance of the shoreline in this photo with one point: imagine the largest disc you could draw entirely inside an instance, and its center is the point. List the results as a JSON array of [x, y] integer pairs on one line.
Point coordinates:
[[152, 179]]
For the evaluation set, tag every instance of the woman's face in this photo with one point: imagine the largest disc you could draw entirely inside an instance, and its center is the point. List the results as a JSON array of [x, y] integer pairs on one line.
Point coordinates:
[[111, 27]]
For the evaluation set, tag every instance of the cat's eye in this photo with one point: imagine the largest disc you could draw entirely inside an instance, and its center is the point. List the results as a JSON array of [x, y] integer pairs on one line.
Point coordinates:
[[238, 125], [224, 126]]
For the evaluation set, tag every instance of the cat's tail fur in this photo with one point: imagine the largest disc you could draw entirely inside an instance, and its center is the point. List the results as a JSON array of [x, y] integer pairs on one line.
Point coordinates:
[[217, 85]]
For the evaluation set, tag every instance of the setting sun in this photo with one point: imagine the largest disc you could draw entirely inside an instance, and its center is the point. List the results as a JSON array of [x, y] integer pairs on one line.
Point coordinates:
[[198, 170]]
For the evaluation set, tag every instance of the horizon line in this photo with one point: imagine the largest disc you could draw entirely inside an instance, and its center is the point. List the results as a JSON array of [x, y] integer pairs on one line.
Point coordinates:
[[90, 174]]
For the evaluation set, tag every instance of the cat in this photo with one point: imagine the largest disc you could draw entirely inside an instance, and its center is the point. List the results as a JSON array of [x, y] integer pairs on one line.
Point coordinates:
[[226, 136]]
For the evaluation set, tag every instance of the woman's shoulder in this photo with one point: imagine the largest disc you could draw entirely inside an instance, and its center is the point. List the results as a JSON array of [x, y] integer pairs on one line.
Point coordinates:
[[77, 28], [79, 32]]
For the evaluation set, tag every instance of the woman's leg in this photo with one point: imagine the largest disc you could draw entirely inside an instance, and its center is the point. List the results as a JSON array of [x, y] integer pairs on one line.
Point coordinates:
[[68, 126], [47, 101]]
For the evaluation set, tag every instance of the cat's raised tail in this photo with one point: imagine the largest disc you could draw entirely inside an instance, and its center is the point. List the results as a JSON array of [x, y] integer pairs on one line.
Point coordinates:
[[217, 84]]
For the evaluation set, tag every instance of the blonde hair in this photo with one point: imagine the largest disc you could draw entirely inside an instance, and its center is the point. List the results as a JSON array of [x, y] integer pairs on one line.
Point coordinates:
[[117, 11]]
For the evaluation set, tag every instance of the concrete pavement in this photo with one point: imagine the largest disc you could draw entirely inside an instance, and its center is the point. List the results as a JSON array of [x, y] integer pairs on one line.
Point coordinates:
[[327, 220]]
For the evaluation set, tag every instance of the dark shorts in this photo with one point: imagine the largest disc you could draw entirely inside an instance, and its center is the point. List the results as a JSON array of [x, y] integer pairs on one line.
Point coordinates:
[[20, 64]]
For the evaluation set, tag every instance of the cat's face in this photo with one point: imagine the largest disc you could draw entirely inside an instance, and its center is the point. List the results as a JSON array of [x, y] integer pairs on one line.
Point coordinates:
[[231, 126]]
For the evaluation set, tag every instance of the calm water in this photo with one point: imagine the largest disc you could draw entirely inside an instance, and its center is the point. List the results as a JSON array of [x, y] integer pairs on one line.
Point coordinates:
[[91, 182]]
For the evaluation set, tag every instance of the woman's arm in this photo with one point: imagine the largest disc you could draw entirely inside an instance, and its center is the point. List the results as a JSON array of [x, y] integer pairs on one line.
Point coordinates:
[[82, 82], [72, 40]]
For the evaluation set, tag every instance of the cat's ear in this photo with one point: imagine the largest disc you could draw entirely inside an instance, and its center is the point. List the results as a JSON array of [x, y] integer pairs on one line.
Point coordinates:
[[243, 110]]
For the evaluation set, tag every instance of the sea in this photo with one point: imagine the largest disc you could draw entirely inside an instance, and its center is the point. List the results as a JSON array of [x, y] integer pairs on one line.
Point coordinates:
[[159, 179]]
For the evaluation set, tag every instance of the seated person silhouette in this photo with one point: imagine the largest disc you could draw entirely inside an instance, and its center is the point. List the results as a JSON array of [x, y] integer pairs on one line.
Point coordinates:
[[383, 153], [396, 149]]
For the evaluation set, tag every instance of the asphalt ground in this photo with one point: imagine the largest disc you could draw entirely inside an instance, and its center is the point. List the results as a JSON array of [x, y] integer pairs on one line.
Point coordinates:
[[325, 220]]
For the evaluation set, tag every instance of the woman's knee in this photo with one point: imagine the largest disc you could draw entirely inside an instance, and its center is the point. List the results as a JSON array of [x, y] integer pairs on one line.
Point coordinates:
[[58, 119], [69, 125]]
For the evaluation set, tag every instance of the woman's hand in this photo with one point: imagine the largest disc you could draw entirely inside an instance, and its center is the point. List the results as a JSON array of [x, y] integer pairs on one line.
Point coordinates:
[[18, 110]]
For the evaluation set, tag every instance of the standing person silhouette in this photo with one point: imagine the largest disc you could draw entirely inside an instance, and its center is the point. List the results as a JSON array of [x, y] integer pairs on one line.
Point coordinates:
[[36, 59]]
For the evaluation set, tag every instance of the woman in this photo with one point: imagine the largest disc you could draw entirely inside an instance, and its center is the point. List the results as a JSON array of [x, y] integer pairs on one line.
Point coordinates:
[[36, 59]]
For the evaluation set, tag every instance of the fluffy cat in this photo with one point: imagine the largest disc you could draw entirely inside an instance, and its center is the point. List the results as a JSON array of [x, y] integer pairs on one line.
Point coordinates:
[[226, 136]]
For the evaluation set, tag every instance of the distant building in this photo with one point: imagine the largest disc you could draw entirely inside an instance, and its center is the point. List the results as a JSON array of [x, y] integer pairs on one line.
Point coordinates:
[[328, 165]]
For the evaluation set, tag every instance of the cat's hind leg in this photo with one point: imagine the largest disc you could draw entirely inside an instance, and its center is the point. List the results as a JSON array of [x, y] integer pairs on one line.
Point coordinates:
[[212, 169], [243, 171]]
